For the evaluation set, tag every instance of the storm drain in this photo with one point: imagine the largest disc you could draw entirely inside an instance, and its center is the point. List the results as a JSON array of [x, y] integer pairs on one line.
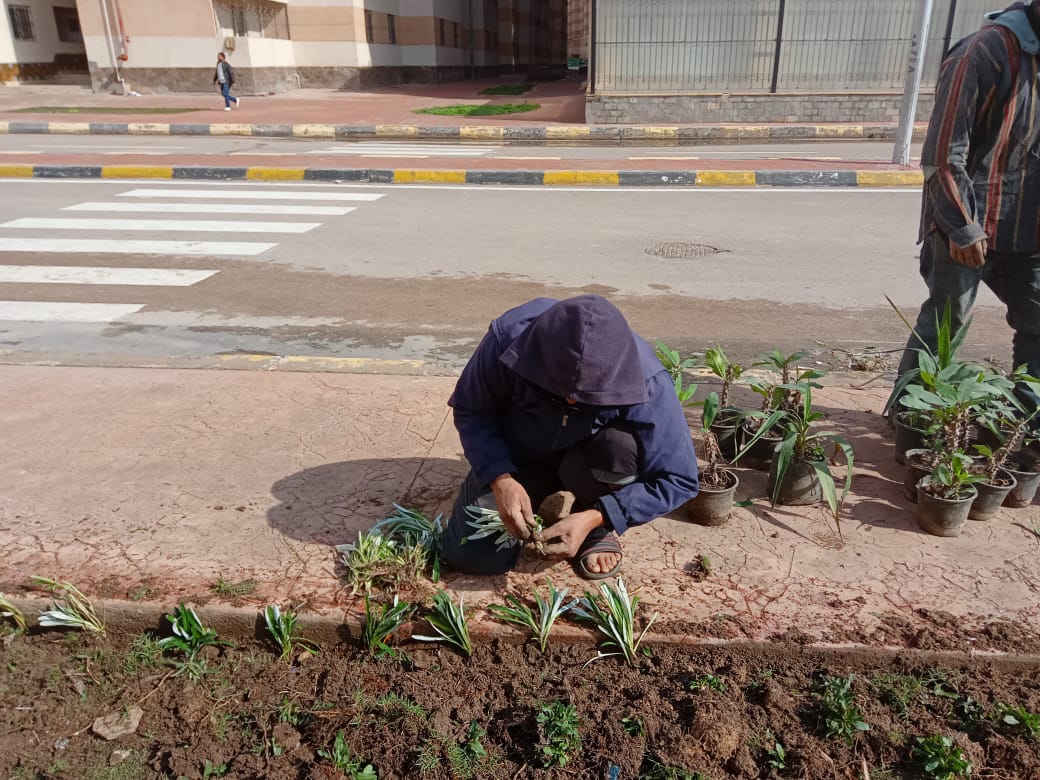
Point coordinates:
[[682, 250]]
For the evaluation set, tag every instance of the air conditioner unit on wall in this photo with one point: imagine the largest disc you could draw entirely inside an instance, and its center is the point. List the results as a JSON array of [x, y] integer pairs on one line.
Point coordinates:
[[229, 43]]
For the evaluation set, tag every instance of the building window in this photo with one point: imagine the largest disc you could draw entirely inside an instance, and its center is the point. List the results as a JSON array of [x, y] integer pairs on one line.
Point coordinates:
[[455, 34], [370, 30], [391, 29], [441, 38], [238, 20], [67, 22], [21, 23]]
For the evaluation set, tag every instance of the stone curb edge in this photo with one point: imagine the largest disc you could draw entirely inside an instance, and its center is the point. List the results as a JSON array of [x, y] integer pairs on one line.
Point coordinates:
[[701, 179], [570, 133]]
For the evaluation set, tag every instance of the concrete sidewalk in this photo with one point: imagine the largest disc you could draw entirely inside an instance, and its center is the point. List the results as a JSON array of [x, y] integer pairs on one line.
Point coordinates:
[[384, 114], [156, 482]]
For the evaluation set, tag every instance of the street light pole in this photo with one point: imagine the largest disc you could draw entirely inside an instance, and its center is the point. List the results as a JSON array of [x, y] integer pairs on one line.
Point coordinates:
[[912, 85]]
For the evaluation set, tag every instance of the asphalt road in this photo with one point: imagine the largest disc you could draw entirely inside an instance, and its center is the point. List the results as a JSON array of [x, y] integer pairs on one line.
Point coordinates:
[[417, 272], [29, 146]]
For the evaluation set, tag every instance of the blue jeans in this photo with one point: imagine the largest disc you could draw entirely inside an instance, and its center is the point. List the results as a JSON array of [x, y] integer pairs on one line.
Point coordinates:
[[1013, 277], [225, 90]]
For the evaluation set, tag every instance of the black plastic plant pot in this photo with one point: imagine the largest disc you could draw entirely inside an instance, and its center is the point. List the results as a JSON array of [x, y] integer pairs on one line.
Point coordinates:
[[1025, 489], [907, 438], [726, 428], [991, 496], [799, 487], [943, 516], [713, 506], [915, 469], [760, 455]]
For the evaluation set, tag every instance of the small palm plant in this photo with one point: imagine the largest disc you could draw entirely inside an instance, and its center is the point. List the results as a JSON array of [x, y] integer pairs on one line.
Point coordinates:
[[282, 628], [449, 623], [615, 618], [71, 609], [677, 366], [380, 624], [541, 624]]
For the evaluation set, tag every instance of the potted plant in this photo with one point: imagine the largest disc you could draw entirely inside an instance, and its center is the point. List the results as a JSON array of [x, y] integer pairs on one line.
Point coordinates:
[[945, 496], [1005, 428], [799, 474], [727, 422], [718, 485]]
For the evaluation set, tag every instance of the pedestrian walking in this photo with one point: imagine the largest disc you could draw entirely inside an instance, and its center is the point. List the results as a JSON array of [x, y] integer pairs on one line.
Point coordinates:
[[225, 77], [563, 404], [980, 219]]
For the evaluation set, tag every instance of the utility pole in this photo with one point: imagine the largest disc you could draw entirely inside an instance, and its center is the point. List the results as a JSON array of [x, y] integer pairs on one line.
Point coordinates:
[[912, 85]]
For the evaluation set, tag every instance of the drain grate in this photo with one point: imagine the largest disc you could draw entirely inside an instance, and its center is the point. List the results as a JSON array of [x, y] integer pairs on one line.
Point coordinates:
[[682, 250]]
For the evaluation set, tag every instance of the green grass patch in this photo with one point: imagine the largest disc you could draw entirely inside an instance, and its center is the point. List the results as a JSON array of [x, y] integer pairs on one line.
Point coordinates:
[[99, 110], [469, 109], [507, 89]]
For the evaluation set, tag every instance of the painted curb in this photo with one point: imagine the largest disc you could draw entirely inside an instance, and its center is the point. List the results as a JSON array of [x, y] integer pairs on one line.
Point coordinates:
[[670, 135], [583, 178]]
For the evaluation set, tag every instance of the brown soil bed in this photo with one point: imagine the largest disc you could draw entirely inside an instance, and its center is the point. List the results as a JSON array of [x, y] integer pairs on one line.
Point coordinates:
[[678, 712]]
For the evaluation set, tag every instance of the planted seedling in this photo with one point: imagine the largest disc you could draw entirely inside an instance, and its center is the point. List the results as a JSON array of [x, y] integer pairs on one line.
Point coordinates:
[[615, 618], [282, 628], [449, 623], [1020, 719], [488, 522], [409, 528], [380, 624], [633, 726], [706, 681], [70, 609], [558, 733], [838, 715], [541, 622], [346, 762], [776, 754], [939, 758], [190, 637], [9, 612]]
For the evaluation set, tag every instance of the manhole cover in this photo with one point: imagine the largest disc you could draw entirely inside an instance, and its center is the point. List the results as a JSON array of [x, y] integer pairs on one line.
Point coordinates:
[[681, 250]]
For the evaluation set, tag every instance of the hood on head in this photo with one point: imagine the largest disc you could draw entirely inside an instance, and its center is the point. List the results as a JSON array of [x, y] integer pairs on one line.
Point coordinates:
[[581, 349]]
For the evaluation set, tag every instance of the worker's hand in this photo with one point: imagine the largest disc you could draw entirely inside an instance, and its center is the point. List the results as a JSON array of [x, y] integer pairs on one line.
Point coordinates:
[[973, 256], [564, 538], [514, 506]]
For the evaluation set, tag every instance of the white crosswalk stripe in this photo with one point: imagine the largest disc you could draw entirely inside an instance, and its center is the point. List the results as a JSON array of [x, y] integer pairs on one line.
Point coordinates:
[[387, 149], [164, 210]]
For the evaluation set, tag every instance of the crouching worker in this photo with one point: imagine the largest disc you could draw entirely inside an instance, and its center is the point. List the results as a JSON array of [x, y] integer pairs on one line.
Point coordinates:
[[563, 396]]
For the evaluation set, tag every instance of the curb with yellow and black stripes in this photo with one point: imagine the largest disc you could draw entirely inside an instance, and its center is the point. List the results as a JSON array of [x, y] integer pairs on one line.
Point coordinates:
[[685, 178], [570, 134]]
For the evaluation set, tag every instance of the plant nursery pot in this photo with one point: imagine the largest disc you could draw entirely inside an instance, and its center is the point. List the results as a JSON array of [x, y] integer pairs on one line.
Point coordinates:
[[914, 472], [941, 516], [760, 456], [1025, 487], [800, 486], [991, 497], [726, 428], [907, 438], [712, 506]]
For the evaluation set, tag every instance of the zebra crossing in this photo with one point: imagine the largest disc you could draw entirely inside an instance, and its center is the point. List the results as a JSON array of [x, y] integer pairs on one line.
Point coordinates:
[[155, 222], [416, 150]]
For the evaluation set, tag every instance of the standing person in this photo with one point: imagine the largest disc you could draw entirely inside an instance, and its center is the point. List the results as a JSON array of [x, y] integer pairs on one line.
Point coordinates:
[[981, 213], [563, 396], [225, 77]]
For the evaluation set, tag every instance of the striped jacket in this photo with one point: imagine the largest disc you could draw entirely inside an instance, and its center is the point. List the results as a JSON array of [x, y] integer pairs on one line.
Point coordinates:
[[981, 157]]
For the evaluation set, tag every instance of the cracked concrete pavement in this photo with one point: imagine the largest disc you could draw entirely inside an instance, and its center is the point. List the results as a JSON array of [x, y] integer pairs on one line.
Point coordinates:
[[159, 481]]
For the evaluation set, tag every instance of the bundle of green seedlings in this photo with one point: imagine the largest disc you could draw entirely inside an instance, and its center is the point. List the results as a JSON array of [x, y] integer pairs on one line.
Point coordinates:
[[488, 522], [615, 618], [397, 549], [540, 624], [70, 609]]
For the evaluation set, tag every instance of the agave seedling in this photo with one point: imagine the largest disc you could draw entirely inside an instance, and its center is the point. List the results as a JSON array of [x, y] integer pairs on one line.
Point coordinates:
[[411, 528], [615, 618], [548, 610], [381, 623], [449, 621], [71, 609], [9, 611], [282, 627], [488, 522]]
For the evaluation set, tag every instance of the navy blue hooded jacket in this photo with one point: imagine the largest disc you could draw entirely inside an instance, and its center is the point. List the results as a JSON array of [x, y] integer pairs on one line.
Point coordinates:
[[510, 402]]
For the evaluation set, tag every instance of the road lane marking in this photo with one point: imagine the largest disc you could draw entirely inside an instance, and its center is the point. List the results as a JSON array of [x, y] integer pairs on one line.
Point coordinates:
[[39, 311], [159, 225], [206, 208], [132, 247], [74, 274], [250, 194]]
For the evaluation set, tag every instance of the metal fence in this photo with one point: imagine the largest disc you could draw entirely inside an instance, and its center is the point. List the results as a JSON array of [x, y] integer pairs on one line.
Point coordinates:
[[682, 46]]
